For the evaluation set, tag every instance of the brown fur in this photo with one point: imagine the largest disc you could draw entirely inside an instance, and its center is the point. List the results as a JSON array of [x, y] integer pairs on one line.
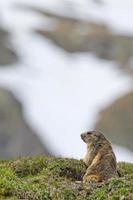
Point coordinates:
[[100, 158]]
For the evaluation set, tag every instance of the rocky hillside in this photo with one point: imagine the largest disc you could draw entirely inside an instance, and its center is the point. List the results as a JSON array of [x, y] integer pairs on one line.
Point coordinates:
[[75, 35], [8, 55], [16, 137], [116, 121], [49, 178]]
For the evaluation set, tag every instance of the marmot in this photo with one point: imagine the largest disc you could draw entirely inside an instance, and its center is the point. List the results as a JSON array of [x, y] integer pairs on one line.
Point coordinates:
[[100, 158]]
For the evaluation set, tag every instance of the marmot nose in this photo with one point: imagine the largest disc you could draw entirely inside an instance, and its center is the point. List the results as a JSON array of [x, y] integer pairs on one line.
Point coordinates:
[[83, 135]]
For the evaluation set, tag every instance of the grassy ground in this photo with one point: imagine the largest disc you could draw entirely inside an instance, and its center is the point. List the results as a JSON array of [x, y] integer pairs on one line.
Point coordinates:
[[49, 178]]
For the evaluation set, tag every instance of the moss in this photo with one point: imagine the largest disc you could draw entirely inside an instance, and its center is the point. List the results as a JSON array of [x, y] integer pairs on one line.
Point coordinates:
[[123, 168], [25, 167], [50, 178]]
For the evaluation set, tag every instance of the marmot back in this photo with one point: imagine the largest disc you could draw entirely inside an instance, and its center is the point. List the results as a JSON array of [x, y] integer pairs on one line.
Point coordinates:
[[100, 158]]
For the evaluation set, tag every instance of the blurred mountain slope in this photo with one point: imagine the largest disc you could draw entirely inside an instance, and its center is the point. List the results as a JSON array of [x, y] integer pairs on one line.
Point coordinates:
[[116, 121], [8, 55], [16, 137], [79, 35]]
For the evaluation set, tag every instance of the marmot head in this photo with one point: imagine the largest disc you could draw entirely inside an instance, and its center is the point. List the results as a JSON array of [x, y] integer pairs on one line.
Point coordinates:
[[92, 137]]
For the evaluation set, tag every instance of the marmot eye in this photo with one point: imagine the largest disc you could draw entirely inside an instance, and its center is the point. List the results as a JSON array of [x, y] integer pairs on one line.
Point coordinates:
[[88, 133]]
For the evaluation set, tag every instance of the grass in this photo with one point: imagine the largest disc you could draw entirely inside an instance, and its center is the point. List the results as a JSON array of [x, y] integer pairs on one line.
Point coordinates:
[[50, 178]]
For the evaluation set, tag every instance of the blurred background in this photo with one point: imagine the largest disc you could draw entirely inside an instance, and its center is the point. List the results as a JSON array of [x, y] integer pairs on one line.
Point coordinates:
[[66, 66]]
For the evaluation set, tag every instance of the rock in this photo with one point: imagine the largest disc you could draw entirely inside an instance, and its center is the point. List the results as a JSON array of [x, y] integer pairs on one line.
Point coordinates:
[[8, 55], [116, 121], [75, 35], [16, 137]]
